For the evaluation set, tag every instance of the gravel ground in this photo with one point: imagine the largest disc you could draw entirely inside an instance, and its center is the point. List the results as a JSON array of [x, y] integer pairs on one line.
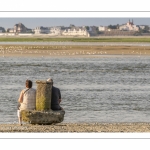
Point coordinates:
[[77, 127]]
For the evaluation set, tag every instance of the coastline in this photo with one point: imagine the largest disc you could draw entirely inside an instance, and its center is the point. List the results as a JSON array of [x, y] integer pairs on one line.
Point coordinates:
[[77, 128]]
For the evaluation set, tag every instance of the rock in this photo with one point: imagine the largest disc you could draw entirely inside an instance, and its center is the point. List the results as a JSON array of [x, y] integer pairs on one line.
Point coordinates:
[[43, 95], [43, 117]]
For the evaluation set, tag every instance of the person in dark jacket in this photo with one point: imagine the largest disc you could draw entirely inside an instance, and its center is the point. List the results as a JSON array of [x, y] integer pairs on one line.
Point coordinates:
[[56, 97]]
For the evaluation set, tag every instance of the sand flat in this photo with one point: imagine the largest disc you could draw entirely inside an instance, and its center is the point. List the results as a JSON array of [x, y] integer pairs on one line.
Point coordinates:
[[72, 51]]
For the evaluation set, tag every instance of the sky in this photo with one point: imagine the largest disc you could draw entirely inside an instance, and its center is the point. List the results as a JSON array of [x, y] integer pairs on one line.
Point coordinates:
[[48, 22]]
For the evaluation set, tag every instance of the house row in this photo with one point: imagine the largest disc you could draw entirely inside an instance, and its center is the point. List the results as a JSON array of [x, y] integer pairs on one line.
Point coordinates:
[[84, 31], [129, 26], [62, 31], [51, 31], [47, 30]]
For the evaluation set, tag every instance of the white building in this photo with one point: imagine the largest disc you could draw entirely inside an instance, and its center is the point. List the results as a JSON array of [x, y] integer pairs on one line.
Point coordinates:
[[76, 31], [48, 30], [129, 26], [42, 30], [10, 30], [142, 27], [93, 30], [55, 31], [19, 28], [102, 28]]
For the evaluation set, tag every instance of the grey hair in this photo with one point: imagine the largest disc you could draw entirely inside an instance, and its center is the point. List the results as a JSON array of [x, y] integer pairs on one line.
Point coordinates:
[[50, 80]]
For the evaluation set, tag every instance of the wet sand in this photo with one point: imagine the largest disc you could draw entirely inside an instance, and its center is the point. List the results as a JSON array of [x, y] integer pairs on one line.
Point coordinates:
[[78, 128]]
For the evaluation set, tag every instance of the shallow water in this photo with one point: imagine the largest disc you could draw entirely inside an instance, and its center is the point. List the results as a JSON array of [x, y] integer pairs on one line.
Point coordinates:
[[80, 43], [104, 89]]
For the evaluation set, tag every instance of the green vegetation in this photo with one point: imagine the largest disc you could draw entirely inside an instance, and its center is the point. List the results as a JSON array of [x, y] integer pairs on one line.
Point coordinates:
[[145, 30], [87, 27], [113, 26], [92, 39], [3, 29]]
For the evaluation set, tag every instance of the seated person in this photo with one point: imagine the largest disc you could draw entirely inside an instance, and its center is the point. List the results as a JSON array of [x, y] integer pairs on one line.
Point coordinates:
[[27, 99], [56, 97]]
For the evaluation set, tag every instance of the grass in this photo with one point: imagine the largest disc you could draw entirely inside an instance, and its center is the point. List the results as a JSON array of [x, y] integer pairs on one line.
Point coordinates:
[[46, 39]]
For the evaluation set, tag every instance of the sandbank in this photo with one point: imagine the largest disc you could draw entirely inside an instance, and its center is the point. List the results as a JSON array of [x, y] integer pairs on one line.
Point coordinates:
[[72, 51]]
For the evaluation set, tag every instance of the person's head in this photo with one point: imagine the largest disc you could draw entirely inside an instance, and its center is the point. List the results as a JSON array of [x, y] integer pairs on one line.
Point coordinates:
[[50, 80], [28, 83]]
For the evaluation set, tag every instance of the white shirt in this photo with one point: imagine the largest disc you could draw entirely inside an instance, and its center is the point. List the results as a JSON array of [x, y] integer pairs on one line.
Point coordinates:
[[29, 99]]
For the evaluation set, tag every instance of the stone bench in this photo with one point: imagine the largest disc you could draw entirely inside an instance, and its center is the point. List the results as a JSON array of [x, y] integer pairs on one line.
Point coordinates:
[[43, 117]]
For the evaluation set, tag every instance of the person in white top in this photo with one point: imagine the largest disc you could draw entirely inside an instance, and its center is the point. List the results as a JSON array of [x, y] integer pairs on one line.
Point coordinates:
[[27, 99]]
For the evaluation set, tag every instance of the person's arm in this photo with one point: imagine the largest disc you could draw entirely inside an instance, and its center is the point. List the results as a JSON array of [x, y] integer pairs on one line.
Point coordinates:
[[59, 96], [20, 100], [59, 100]]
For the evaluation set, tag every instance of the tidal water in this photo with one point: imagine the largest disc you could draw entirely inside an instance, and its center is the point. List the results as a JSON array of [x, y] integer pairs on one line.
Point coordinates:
[[102, 89], [80, 43]]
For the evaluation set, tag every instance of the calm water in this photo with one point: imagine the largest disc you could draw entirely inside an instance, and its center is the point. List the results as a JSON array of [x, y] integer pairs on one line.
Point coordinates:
[[105, 89], [79, 43]]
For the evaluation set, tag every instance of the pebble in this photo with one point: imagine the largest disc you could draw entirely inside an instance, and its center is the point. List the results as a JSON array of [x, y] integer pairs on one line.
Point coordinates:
[[77, 127]]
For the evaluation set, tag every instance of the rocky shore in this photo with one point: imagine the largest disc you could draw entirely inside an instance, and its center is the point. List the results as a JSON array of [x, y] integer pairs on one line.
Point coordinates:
[[77, 128]]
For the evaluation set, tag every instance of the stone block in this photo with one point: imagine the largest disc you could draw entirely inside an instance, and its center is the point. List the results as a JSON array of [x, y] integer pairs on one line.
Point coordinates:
[[43, 117], [43, 95]]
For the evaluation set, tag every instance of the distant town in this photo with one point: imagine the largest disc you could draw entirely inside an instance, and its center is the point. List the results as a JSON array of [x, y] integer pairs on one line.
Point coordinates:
[[126, 29]]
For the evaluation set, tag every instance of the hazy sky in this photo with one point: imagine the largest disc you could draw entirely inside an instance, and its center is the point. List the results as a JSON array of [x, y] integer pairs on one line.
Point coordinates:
[[47, 22]]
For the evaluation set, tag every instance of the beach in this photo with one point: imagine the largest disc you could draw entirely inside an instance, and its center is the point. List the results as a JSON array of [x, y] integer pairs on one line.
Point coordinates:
[[77, 128], [75, 51]]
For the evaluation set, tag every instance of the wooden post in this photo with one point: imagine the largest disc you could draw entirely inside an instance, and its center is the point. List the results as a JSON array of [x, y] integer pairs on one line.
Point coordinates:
[[43, 95]]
